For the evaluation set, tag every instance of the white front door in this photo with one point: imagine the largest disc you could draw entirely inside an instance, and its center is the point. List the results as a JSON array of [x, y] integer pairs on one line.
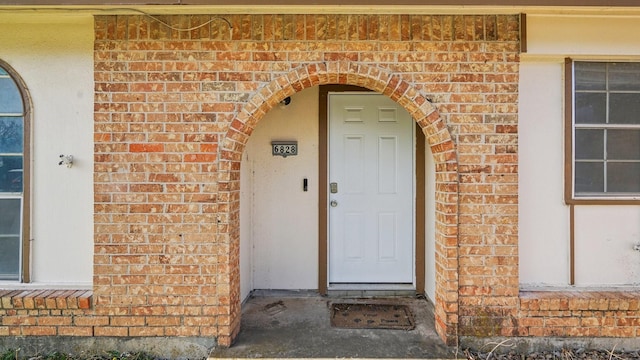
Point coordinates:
[[371, 172]]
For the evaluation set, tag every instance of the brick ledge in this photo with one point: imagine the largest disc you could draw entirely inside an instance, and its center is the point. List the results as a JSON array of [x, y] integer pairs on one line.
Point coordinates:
[[581, 299], [46, 299], [580, 293]]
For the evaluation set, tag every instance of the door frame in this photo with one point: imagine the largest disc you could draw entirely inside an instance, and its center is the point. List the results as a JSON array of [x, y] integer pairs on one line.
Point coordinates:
[[323, 204]]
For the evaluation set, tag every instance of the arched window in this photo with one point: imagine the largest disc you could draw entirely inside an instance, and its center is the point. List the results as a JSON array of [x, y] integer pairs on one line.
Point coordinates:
[[13, 146]]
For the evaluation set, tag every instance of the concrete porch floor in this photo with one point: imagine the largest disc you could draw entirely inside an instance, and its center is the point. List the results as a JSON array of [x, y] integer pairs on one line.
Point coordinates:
[[297, 325]]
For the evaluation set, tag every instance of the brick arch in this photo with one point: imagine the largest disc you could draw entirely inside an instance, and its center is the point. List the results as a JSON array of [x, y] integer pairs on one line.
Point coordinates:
[[422, 111]]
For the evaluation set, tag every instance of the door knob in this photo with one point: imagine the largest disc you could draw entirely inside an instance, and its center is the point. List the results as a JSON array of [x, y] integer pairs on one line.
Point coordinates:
[[334, 203]]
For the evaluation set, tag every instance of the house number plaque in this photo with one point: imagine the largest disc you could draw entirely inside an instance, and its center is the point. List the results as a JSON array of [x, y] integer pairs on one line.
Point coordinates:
[[284, 148]]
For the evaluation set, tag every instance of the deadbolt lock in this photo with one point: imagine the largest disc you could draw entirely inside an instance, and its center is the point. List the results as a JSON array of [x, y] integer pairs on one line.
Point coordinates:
[[333, 187]]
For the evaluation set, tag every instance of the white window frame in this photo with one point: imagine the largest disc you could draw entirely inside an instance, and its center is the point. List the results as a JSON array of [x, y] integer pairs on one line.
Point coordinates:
[[24, 272], [571, 197]]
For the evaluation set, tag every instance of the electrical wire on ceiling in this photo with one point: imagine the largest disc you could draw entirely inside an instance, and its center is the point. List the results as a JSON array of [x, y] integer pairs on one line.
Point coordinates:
[[129, 10]]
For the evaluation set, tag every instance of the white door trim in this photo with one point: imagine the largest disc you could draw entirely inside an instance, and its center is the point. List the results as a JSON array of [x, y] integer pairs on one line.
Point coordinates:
[[373, 284]]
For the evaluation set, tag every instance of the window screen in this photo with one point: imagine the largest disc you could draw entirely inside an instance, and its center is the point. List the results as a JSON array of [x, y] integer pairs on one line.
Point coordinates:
[[606, 130]]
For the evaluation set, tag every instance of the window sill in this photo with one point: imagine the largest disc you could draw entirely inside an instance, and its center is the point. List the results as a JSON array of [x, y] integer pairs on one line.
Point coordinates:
[[49, 299], [603, 201]]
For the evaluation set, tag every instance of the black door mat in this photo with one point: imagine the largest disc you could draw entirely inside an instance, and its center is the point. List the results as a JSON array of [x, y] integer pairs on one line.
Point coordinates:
[[371, 316]]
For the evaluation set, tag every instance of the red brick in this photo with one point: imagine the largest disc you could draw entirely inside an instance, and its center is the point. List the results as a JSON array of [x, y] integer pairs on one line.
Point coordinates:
[[124, 321], [200, 157], [18, 320], [39, 330], [90, 320], [111, 331], [147, 331], [146, 147], [75, 331]]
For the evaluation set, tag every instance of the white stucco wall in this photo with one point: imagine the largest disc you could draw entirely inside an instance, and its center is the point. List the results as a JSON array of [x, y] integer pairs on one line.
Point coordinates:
[[604, 251], [544, 218], [603, 234], [246, 226], [279, 234], [54, 57], [572, 35]]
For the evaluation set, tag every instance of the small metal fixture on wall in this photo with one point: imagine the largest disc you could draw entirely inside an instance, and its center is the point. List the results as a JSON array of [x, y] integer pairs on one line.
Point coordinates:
[[66, 160], [286, 101]]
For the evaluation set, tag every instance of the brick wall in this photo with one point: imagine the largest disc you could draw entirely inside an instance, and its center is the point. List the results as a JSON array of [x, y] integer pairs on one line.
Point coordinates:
[[47, 312], [175, 108], [580, 313]]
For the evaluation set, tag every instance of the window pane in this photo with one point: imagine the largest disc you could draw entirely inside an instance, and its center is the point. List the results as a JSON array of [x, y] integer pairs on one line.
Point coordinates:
[[623, 144], [9, 258], [589, 177], [9, 217], [590, 75], [591, 108], [623, 177], [624, 108], [10, 99], [11, 174], [9, 239], [11, 135], [624, 76], [589, 144], [3, 71]]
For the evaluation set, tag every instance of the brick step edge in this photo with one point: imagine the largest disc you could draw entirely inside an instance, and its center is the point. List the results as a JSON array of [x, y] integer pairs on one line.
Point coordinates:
[[45, 299]]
